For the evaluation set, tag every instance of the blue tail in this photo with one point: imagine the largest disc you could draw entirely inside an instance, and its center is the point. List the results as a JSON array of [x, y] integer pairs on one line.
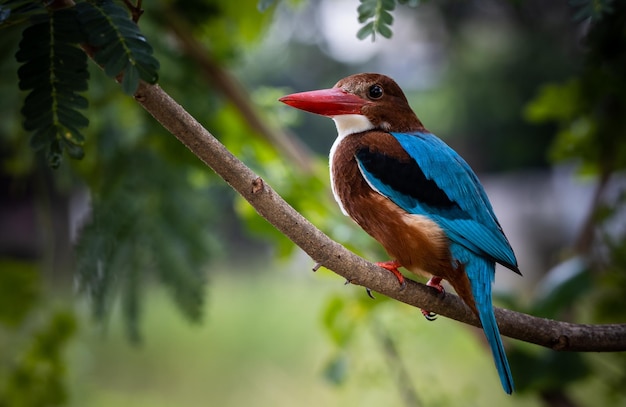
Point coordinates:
[[481, 273]]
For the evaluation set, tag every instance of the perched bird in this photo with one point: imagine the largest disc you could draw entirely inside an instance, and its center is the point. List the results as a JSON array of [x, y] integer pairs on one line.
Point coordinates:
[[413, 194]]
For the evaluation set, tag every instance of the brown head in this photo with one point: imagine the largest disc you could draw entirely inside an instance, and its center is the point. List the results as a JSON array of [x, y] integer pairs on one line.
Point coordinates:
[[375, 97]]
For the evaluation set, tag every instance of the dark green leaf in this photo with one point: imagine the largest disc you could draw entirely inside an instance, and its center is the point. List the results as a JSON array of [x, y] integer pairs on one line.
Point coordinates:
[[121, 47], [37, 101], [366, 31], [31, 44], [32, 76], [130, 81], [116, 60], [74, 150], [366, 10], [55, 68], [385, 31], [388, 5], [68, 116], [386, 18], [43, 119], [376, 14], [41, 138], [73, 100], [110, 55]]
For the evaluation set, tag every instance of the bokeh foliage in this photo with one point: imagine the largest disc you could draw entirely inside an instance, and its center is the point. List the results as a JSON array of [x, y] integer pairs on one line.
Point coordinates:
[[34, 336]]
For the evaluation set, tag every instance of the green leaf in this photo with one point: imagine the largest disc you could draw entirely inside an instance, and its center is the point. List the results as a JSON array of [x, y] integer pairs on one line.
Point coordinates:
[[74, 100], [385, 31], [366, 10], [54, 68], [41, 138], [386, 18], [376, 14], [68, 115], [388, 5], [366, 31], [130, 81], [35, 73], [121, 48], [44, 119], [73, 150], [114, 59], [141, 232]]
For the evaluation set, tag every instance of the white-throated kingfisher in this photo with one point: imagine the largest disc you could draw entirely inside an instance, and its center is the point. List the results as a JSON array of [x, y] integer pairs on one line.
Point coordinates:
[[413, 194]]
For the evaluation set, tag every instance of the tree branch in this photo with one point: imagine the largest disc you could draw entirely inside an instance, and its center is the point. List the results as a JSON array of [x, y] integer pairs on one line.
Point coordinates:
[[556, 335]]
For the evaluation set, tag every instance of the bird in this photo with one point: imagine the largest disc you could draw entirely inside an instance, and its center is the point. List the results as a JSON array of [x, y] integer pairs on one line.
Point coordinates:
[[414, 194]]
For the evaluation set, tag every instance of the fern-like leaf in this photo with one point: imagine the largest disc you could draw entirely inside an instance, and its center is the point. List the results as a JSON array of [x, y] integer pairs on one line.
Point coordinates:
[[141, 231], [54, 69], [376, 14], [120, 47]]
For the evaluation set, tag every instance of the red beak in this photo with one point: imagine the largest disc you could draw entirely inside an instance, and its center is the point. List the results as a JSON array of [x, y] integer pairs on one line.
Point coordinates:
[[327, 102]]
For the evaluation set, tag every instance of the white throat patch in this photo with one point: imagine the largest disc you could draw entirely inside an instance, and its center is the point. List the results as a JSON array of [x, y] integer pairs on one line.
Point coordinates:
[[351, 123]]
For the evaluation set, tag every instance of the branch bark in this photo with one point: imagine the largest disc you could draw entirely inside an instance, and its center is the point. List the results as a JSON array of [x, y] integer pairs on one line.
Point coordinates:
[[552, 334]]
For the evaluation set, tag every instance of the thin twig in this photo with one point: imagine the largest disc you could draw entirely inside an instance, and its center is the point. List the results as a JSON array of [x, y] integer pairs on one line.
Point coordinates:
[[135, 10]]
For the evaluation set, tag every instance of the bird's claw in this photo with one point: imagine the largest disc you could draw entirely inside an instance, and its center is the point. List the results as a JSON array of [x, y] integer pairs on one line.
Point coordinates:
[[392, 266], [430, 316], [369, 293], [434, 282]]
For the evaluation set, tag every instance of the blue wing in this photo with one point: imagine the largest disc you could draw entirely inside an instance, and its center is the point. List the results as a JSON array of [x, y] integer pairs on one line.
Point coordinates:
[[436, 182]]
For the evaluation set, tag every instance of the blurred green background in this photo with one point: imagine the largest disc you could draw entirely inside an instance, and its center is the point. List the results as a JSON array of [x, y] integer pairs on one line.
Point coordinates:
[[136, 277]]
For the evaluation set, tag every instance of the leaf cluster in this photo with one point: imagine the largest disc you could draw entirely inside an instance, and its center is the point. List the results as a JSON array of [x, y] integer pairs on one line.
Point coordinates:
[[138, 235], [589, 107], [376, 17], [53, 55], [32, 367]]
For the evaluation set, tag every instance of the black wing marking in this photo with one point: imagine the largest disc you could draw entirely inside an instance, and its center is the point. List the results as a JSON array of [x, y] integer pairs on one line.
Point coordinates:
[[407, 178]]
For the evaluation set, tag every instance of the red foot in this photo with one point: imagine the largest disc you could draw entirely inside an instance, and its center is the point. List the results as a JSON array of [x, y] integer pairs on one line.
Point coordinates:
[[434, 282], [393, 267]]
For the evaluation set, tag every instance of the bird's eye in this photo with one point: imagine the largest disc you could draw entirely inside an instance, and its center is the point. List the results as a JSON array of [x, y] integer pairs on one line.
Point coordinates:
[[375, 92]]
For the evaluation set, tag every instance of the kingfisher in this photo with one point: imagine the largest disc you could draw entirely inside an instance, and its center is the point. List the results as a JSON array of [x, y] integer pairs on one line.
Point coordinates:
[[414, 194]]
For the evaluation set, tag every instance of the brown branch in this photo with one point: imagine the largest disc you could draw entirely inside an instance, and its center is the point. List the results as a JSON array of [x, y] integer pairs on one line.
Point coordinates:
[[556, 335], [135, 10]]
